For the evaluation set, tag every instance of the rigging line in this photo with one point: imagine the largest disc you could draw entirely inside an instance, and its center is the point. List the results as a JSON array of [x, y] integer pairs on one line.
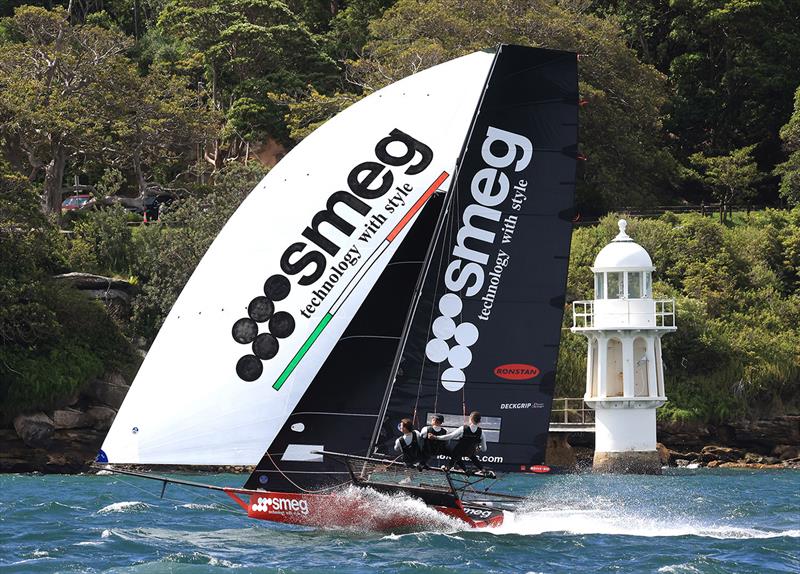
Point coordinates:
[[453, 197], [297, 486]]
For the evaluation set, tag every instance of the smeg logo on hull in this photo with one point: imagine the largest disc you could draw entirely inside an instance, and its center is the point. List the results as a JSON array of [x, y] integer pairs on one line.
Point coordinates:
[[516, 371]]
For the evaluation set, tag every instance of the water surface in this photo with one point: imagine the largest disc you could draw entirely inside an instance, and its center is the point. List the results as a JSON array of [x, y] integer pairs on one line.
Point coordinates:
[[687, 521]]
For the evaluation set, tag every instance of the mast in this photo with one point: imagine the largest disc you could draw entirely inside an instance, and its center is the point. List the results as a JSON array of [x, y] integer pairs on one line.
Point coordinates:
[[426, 267], [483, 333]]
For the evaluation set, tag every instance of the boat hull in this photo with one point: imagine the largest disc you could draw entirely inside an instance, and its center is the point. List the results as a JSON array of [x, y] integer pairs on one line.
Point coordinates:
[[342, 510]]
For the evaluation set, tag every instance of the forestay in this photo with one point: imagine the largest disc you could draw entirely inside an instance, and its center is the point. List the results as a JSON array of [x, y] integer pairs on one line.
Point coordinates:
[[279, 285]]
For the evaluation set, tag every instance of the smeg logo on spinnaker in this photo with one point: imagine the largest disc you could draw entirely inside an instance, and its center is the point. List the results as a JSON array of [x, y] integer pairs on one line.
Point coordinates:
[[322, 242], [516, 371]]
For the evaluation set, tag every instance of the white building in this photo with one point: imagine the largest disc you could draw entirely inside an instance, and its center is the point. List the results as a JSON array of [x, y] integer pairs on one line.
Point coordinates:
[[624, 372]]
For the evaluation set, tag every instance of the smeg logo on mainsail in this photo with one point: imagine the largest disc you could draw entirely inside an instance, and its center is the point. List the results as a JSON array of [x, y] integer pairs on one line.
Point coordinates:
[[465, 273], [369, 180]]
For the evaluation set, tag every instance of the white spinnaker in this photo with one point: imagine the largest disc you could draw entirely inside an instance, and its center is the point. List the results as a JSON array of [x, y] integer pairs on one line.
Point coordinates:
[[187, 404]]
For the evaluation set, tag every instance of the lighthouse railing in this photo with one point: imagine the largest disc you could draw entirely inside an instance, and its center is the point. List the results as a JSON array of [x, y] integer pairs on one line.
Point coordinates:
[[665, 313], [571, 413], [644, 313], [583, 314]]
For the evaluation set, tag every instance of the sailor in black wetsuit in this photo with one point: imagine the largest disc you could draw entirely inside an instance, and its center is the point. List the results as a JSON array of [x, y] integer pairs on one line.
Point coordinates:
[[411, 445], [470, 440], [434, 448]]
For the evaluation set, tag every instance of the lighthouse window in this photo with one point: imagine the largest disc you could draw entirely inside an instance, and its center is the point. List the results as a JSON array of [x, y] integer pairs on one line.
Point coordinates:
[[634, 285], [615, 285], [647, 284], [599, 285]]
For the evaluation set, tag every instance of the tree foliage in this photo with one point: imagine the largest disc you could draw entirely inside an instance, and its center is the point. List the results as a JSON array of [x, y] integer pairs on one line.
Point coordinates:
[[789, 171], [730, 177], [620, 128], [56, 91]]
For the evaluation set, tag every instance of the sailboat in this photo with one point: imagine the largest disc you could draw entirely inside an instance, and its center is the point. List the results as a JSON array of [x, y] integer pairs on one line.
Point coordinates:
[[407, 258]]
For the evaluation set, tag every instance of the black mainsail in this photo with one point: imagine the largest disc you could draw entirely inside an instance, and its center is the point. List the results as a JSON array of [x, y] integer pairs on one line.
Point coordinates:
[[484, 334]]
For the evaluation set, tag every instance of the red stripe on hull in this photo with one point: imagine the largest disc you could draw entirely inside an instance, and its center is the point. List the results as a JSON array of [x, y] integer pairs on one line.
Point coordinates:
[[333, 510]]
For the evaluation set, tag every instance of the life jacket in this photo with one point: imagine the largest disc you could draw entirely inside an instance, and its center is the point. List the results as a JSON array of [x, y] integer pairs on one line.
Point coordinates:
[[469, 441], [411, 452], [435, 447]]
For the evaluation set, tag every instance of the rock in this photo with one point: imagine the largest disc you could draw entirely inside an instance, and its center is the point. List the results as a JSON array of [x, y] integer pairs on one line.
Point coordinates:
[[560, 453], [720, 453], [713, 464], [763, 435], [110, 390], [101, 417], [93, 282], [632, 462], [753, 458], [71, 419], [664, 454], [684, 434], [35, 430], [786, 451], [681, 462]]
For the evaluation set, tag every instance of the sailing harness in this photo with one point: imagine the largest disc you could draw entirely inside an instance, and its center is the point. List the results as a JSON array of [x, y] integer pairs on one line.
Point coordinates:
[[412, 453], [468, 443], [436, 447]]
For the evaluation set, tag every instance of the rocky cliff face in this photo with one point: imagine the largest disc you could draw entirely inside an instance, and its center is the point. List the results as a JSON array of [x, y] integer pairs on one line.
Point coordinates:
[[67, 439]]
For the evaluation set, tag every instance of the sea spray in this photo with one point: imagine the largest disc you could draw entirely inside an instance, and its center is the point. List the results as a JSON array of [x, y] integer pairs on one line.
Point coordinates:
[[363, 509]]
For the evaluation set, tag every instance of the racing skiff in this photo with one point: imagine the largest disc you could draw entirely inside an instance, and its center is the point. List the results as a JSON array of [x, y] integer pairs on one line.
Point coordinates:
[[408, 258]]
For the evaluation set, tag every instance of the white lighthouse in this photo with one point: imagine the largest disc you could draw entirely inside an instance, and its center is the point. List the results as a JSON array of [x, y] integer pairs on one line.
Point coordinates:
[[624, 370]]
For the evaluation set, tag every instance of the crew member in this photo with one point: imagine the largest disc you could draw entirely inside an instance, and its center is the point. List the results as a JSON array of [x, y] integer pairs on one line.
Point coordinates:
[[434, 448], [470, 439], [411, 445]]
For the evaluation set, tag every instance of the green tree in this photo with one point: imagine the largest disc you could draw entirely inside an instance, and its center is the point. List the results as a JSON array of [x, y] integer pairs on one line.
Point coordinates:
[[730, 177], [789, 171], [166, 254], [620, 128], [56, 85], [248, 48], [733, 67], [159, 125]]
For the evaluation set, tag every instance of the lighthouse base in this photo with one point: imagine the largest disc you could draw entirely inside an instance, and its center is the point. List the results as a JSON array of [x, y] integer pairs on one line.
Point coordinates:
[[631, 462]]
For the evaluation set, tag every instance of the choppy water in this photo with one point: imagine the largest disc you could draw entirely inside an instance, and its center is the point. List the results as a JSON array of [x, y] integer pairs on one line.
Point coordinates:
[[687, 521]]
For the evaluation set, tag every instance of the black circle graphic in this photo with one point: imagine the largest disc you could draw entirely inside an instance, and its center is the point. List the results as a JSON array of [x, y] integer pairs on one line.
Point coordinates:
[[265, 346], [277, 287], [281, 325], [260, 309], [249, 368], [244, 331]]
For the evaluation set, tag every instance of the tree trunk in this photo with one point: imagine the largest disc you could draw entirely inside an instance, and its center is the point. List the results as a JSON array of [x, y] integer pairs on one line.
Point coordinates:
[[53, 178], [137, 170]]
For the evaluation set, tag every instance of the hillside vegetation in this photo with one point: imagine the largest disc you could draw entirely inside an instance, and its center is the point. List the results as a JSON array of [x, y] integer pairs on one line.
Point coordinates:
[[685, 103]]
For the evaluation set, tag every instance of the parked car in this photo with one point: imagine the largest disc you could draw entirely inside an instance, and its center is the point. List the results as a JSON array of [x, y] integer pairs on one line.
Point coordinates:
[[75, 202]]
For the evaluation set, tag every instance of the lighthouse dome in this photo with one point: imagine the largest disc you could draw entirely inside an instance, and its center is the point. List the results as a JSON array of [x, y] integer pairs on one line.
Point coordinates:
[[623, 253]]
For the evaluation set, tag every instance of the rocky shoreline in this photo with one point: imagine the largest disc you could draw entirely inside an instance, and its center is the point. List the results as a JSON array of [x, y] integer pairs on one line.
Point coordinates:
[[66, 440], [749, 444]]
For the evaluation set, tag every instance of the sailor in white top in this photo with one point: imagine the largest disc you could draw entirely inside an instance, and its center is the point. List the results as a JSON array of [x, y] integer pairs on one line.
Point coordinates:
[[410, 444], [470, 439]]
